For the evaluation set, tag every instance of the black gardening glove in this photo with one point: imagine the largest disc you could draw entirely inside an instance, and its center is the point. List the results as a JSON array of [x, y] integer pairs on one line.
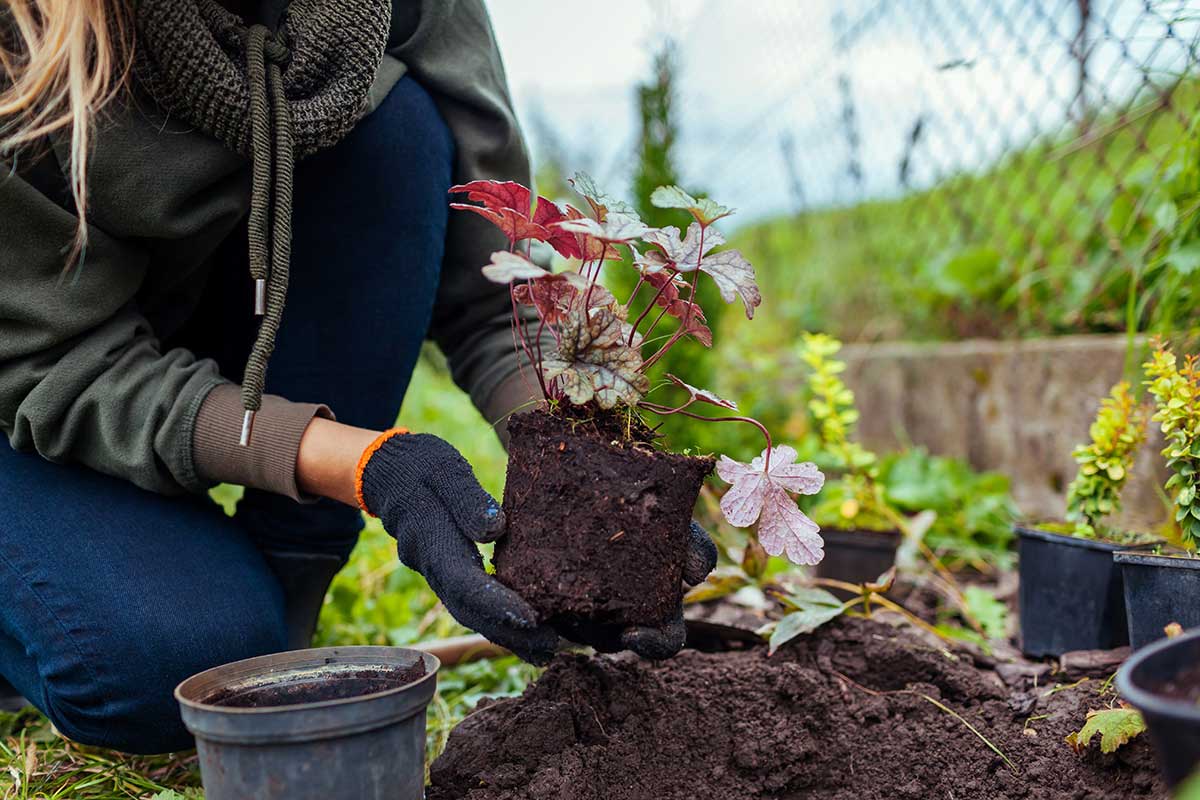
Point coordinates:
[[427, 497], [658, 642]]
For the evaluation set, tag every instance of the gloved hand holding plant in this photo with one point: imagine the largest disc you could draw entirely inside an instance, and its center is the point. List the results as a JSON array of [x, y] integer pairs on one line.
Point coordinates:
[[597, 517]]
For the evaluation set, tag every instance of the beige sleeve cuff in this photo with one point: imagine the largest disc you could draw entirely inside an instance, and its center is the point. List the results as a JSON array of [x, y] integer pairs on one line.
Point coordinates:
[[269, 462]]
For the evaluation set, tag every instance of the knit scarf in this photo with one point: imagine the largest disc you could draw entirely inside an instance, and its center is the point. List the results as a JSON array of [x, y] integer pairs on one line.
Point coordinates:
[[274, 96]]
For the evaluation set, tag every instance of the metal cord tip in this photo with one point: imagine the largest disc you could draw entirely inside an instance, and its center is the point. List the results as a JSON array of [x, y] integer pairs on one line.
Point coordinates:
[[247, 428], [260, 297]]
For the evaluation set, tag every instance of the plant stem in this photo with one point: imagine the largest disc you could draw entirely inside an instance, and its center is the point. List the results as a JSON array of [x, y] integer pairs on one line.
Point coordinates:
[[683, 325], [650, 305], [668, 410]]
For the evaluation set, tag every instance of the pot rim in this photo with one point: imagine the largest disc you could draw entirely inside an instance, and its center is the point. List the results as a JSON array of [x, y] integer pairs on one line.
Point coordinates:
[[1168, 560], [865, 533], [1031, 531], [271, 663], [1147, 701]]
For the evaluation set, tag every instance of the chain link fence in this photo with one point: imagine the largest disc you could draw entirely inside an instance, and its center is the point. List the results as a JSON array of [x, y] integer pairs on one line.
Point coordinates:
[[1024, 166]]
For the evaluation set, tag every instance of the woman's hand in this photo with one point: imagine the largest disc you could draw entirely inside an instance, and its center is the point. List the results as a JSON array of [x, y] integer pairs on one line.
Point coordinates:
[[427, 497]]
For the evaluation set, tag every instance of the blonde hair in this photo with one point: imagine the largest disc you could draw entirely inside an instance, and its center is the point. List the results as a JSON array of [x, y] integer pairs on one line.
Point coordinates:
[[61, 62]]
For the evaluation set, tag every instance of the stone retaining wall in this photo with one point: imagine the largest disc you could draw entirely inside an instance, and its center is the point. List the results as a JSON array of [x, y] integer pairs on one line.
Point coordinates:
[[1016, 407]]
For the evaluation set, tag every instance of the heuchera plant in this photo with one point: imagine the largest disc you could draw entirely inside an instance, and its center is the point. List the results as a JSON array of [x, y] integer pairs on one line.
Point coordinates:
[[1176, 390], [600, 356], [1105, 462]]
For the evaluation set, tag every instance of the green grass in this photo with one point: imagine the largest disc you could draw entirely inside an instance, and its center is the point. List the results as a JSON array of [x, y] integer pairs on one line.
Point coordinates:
[[373, 601]]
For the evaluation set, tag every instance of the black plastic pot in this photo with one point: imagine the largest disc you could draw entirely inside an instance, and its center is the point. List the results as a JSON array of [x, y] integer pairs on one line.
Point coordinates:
[[1159, 590], [1071, 596], [363, 738], [857, 556], [1173, 722]]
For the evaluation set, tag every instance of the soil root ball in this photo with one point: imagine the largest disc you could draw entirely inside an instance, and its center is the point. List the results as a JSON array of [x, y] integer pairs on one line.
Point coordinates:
[[597, 519]]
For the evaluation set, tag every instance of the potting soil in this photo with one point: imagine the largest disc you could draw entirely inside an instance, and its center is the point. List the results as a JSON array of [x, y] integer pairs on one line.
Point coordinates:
[[858, 710]]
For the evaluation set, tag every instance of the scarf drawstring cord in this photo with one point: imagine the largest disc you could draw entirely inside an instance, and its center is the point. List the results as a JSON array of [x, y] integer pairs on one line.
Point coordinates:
[[272, 146]]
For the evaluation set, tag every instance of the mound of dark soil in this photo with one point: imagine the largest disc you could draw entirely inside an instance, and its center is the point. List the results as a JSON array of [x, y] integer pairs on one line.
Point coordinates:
[[597, 519], [844, 714]]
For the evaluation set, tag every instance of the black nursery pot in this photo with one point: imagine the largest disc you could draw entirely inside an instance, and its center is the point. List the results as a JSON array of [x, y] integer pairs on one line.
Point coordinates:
[[1159, 589], [312, 724], [1163, 682], [857, 556], [1071, 595]]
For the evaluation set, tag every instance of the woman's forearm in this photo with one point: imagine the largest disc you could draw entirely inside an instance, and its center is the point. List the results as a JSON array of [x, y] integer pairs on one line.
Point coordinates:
[[328, 457]]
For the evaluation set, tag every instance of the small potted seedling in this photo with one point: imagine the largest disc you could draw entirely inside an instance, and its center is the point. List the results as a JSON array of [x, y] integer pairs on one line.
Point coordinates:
[[1162, 681], [861, 528], [1071, 596], [1163, 586], [598, 512]]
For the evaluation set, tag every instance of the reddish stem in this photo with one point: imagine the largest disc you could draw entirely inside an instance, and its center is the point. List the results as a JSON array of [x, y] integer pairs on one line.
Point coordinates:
[[667, 410], [683, 325], [653, 301], [636, 289], [519, 329]]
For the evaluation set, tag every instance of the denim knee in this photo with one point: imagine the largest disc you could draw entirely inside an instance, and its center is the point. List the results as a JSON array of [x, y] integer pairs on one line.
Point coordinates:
[[129, 704]]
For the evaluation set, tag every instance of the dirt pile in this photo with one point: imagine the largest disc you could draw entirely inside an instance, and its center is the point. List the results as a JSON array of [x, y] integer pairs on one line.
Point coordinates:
[[847, 713]]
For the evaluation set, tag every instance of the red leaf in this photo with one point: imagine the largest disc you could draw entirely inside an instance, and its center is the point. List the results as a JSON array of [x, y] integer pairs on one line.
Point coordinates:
[[551, 295], [566, 243], [497, 195], [700, 331], [590, 248], [514, 226]]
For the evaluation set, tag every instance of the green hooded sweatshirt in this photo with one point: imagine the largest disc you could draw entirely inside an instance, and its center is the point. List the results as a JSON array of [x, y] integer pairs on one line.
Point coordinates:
[[84, 376]]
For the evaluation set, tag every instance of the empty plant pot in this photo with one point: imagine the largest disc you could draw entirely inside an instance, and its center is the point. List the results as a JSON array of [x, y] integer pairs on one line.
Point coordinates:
[[857, 556], [1071, 595], [1163, 682], [1159, 589], [312, 724]]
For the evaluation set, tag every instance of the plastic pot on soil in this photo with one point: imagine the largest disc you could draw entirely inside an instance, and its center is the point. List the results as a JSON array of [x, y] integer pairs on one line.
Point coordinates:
[[857, 556], [1071, 595], [312, 724], [1159, 589], [1163, 682], [597, 526]]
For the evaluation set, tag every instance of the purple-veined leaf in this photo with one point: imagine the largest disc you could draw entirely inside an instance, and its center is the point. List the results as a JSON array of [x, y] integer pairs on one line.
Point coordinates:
[[756, 494], [683, 254], [592, 249], [507, 267], [566, 243], [616, 229], [734, 277], [602, 204], [553, 294], [704, 396], [705, 211], [593, 360], [783, 529], [743, 503]]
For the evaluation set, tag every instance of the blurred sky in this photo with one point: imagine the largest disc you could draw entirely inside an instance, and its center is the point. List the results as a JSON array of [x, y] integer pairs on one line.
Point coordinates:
[[764, 78]]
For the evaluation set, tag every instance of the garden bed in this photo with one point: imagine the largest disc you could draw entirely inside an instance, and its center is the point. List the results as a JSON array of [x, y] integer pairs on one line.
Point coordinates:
[[857, 710]]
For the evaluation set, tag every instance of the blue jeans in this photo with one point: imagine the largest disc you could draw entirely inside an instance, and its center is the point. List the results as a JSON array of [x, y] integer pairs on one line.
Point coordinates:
[[110, 595]]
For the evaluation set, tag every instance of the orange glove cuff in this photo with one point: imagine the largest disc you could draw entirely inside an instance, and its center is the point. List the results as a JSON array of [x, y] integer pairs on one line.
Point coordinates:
[[362, 464]]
